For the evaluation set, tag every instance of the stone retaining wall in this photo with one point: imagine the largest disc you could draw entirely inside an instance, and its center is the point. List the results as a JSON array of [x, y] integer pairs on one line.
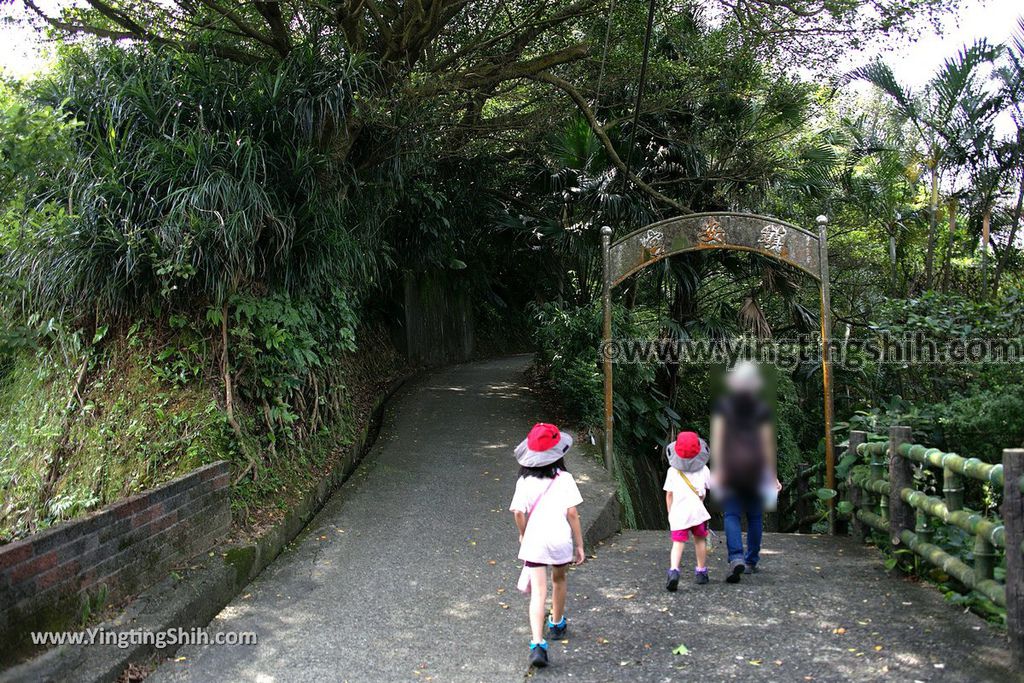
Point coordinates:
[[46, 578]]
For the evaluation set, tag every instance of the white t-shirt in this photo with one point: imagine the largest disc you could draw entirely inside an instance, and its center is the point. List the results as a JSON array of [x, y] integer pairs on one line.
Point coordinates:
[[548, 537], [687, 509]]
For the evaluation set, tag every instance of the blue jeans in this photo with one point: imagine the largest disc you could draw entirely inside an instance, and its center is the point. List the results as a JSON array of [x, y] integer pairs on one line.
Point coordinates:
[[735, 506]]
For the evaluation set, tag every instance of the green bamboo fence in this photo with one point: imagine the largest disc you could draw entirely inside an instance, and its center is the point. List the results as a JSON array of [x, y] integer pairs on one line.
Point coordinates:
[[798, 499], [882, 499]]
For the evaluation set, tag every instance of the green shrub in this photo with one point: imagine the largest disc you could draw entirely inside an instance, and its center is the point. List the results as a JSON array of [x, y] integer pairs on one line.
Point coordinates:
[[983, 424], [191, 180]]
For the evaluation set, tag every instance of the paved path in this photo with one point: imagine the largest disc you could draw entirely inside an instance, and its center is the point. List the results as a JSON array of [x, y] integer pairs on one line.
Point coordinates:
[[408, 575], [822, 609]]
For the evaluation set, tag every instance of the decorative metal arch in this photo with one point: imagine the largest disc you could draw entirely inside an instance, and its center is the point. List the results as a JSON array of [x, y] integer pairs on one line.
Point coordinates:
[[771, 237]]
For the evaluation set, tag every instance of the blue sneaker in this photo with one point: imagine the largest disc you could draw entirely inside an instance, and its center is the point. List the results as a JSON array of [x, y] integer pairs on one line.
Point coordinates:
[[539, 654], [557, 631]]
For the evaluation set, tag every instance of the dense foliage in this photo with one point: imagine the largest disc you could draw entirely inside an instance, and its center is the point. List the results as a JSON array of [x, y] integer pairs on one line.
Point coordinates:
[[220, 204]]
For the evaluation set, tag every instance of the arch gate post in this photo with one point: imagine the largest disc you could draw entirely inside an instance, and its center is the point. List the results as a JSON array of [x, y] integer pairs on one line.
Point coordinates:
[[606, 351], [826, 370], [791, 244]]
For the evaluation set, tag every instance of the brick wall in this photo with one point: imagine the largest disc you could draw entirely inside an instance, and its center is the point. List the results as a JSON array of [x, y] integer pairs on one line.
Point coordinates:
[[44, 578]]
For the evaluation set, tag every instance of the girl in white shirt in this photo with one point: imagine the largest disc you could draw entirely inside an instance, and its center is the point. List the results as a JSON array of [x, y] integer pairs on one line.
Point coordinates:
[[686, 486], [544, 506]]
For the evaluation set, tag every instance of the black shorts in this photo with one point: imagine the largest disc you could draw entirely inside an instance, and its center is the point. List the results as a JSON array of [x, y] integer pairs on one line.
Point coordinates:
[[541, 564]]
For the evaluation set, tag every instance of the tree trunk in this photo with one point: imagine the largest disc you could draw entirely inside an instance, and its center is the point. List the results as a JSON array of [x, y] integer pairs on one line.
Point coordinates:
[[929, 259], [893, 284], [947, 269], [985, 220], [54, 471], [229, 391], [1004, 257]]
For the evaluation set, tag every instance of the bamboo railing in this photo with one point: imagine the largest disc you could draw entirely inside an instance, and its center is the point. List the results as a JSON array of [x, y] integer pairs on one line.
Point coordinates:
[[798, 499], [882, 498]]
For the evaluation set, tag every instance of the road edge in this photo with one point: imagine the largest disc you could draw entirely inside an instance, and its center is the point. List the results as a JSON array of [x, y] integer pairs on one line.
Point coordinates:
[[193, 598]]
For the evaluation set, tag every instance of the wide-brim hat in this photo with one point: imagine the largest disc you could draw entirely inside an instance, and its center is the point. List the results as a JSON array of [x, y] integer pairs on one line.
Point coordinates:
[[693, 464], [545, 445]]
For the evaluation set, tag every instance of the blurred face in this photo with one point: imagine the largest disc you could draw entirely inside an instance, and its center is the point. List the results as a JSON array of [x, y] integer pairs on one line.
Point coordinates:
[[745, 378]]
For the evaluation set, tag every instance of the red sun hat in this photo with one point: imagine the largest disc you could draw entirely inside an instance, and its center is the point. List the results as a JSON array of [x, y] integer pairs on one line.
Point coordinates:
[[687, 444], [543, 436]]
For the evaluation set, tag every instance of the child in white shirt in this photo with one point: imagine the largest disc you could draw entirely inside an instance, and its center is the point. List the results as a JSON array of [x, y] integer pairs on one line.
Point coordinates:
[[550, 534], [686, 486]]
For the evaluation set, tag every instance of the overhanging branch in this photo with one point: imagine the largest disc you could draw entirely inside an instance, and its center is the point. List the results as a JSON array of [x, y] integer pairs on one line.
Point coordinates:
[[599, 131]]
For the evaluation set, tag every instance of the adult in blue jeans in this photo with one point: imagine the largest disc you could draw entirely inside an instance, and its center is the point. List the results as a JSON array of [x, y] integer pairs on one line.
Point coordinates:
[[743, 462]]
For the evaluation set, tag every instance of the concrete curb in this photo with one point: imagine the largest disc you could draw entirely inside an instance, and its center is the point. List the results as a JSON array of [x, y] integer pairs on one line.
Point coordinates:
[[192, 599], [601, 511]]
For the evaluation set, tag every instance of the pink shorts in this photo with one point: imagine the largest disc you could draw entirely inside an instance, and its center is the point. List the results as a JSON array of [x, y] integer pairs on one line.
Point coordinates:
[[683, 535]]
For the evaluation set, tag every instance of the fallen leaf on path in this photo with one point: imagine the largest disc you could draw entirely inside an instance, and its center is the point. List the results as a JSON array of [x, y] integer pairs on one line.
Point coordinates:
[[878, 648], [492, 562], [681, 650], [602, 641], [503, 605], [839, 631], [629, 597]]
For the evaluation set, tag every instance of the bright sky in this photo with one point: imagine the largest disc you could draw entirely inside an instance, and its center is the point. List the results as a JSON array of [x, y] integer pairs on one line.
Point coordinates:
[[995, 20], [22, 53]]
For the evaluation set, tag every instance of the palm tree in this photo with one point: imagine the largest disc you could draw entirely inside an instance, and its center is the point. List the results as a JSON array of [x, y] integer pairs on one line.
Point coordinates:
[[875, 179], [952, 107], [1011, 78]]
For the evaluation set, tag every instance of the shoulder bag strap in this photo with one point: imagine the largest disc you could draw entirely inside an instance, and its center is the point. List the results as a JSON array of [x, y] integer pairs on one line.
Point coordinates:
[[537, 502], [687, 480]]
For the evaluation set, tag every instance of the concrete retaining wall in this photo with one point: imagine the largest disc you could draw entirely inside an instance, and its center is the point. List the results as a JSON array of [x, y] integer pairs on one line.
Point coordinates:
[[438, 320], [601, 512]]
